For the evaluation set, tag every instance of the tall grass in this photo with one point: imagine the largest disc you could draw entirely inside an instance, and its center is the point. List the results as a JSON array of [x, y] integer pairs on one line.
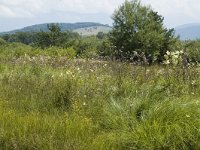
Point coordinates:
[[55, 103]]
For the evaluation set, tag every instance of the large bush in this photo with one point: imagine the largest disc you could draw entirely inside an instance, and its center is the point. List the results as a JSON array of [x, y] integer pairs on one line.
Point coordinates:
[[138, 28]]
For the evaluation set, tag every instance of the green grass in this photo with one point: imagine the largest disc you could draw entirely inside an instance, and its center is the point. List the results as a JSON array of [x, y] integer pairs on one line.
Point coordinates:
[[55, 103]]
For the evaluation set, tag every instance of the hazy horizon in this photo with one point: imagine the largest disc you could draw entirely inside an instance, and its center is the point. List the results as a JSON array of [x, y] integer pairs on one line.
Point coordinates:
[[17, 14]]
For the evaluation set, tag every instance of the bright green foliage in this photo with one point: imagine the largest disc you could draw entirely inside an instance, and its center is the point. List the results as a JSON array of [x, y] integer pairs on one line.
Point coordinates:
[[50, 102], [2, 42], [193, 50], [17, 51], [139, 28]]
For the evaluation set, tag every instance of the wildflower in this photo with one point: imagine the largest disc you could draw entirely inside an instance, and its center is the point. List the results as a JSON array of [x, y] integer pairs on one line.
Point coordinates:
[[176, 56], [105, 65], [167, 62], [181, 52], [173, 53], [193, 82], [177, 53], [188, 116], [91, 70], [61, 75], [166, 56], [68, 72], [168, 53]]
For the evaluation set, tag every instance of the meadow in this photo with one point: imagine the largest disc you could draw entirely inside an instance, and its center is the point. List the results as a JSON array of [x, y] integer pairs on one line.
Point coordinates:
[[48, 100]]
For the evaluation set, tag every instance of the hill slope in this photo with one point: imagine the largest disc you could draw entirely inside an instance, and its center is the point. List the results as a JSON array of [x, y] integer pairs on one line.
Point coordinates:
[[188, 31], [83, 28]]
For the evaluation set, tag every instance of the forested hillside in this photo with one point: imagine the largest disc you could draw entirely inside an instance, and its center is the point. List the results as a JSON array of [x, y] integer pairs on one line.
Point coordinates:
[[86, 28]]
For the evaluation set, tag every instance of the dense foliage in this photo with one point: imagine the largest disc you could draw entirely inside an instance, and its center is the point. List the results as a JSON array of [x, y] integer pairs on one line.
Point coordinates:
[[138, 28], [193, 50], [53, 37]]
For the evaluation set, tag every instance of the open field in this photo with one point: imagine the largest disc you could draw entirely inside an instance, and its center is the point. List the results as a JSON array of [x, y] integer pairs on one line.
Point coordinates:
[[55, 103], [130, 84]]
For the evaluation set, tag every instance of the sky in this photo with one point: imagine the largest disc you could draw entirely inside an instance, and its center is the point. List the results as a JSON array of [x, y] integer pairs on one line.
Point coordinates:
[[16, 14]]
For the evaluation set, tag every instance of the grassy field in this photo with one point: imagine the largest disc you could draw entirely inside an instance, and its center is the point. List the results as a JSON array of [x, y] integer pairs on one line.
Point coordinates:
[[50, 102]]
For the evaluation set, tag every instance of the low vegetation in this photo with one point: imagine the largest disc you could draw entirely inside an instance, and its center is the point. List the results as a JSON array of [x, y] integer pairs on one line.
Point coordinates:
[[51, 102]]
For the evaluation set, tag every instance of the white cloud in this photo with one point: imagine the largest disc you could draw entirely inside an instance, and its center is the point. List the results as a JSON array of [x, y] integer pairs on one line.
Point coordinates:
[[81, 6], [86, 6], [175, 11], [6, 12]]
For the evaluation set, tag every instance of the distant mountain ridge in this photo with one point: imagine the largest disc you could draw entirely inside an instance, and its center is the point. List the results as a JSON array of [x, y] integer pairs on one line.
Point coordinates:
[[83, 28], [188, 31]]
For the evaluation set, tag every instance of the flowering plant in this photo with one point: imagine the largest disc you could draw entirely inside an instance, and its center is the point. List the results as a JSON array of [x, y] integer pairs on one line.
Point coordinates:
[[173, 58]]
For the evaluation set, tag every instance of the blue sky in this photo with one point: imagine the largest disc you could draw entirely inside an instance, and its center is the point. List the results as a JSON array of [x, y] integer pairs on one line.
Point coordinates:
[[19, 13]]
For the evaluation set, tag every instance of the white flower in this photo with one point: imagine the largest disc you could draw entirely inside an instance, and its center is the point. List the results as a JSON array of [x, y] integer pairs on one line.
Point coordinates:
[[166, 56], [168, 53], [167, 62], [175, 57], [173, 53], [177, 52], [105, 65], [61, 75], [181, 52], [68, 72]]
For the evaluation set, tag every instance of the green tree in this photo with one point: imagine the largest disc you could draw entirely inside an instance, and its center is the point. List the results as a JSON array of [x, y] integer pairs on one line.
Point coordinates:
[[101, 35], [51, 38], [27, 38], [138, 28], [54, 37], [54, 34]]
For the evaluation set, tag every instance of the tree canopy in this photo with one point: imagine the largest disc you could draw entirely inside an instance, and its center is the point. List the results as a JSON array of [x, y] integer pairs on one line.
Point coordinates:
[[140, 29]]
